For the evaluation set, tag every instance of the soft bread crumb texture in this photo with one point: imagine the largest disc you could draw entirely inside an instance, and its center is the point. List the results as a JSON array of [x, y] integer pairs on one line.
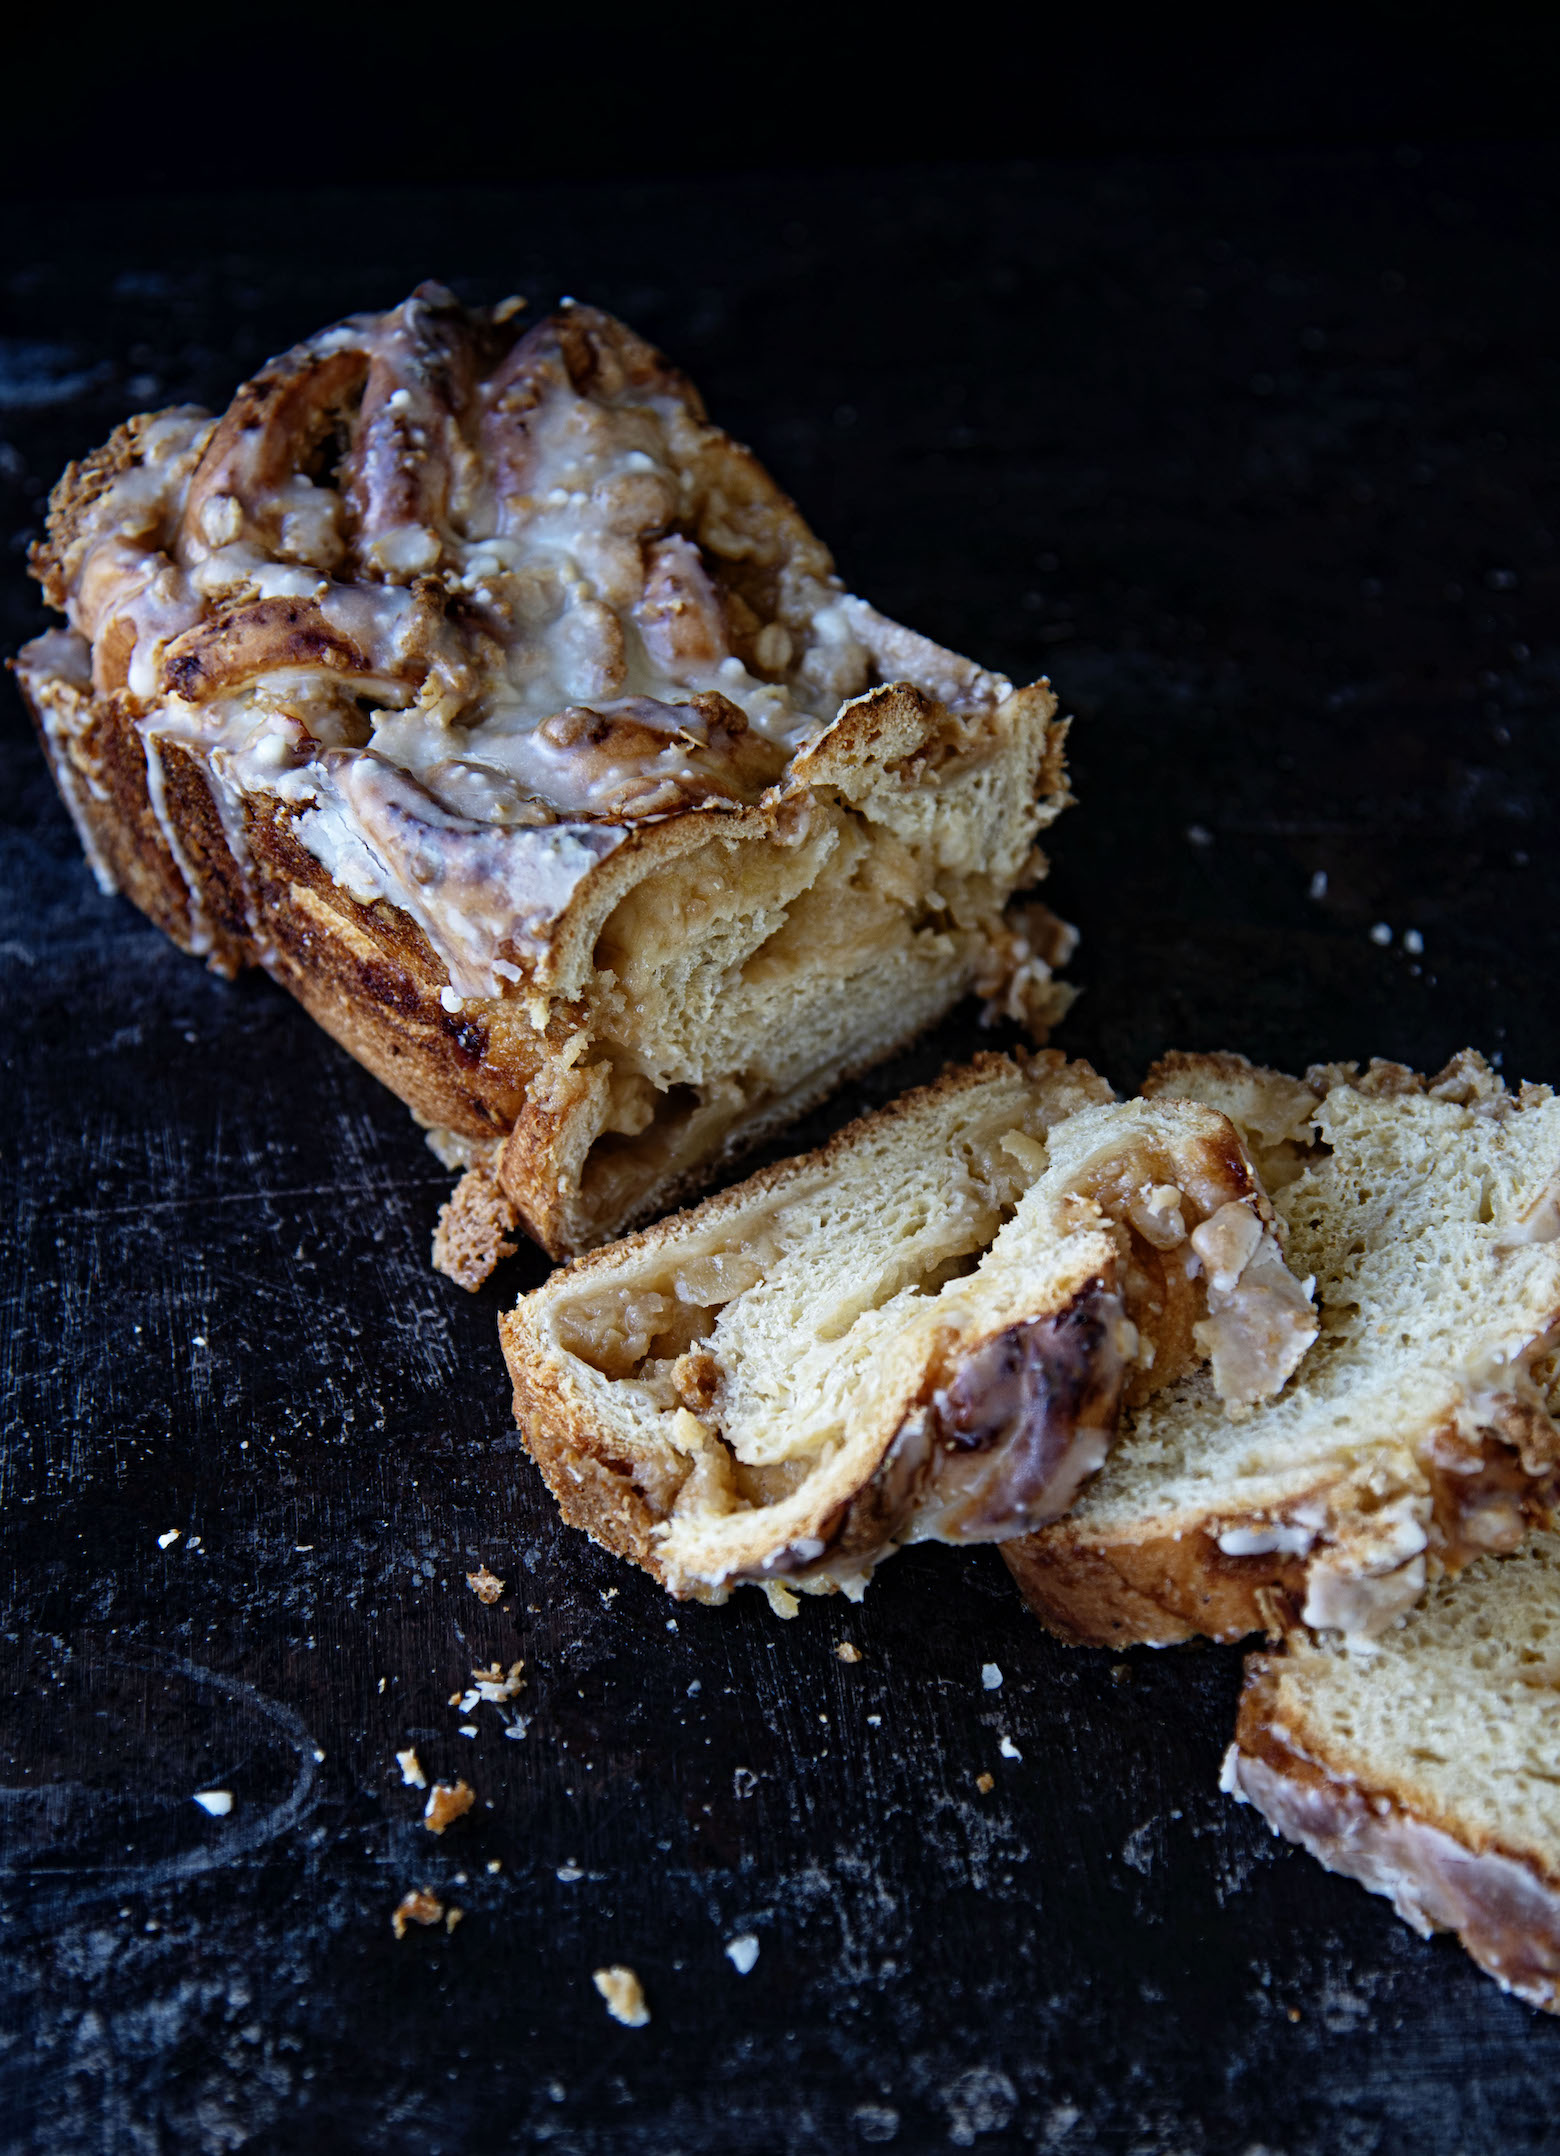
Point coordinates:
[[1415, 1435], [501, 705], [1430, 1770], [924, 1330]]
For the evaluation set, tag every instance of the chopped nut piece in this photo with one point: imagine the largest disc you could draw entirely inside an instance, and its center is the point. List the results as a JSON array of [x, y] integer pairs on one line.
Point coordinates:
[[485, 1585], [412, 1775], [624, 1994], [847, 1652], [447, 1802], [985, 1783], [420, 1906]]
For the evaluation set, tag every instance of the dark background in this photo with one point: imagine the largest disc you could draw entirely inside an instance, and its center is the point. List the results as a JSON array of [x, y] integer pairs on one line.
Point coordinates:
[[1215, 375]]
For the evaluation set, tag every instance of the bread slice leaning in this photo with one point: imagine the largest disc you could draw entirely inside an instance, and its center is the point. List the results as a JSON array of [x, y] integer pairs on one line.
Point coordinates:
[[1415, 1436], [505, 710], [925, 1330], [1430, 1770]]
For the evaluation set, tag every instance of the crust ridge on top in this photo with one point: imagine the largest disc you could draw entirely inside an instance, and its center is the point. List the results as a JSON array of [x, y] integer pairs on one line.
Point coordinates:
[[502, 707]]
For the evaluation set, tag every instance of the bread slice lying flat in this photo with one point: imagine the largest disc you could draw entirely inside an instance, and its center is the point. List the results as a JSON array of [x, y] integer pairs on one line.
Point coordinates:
[[507, 712], [1430, 1771], [1416, 1434], [925, 1330]]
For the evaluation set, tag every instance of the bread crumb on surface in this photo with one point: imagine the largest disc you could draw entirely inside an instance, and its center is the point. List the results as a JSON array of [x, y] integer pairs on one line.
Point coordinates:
[[412, 1775], [420, 1906], [624, 1994], [781, 1599], [452, 1917], [497, 1685], [485, 1585], [985, 1783], [990, 1676], [848, 1652], [216, 1802], [742, 1953], [447, 1802]]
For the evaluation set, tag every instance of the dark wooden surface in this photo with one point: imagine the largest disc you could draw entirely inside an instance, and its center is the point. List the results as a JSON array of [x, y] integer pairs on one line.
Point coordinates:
[[1258, 458]]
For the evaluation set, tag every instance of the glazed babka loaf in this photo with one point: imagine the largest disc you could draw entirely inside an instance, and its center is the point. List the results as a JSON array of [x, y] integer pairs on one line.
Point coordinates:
[[508, 713]]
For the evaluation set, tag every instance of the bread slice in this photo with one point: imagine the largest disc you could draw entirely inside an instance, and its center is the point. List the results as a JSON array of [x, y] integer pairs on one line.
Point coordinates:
[[1430, 1770], [924, 1330], [507, 712], [1415, 1436]]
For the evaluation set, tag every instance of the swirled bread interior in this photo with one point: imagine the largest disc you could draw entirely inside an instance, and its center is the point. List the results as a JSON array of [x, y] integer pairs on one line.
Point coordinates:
[[1416, 1434], [927, 1329], [1430, 1769], [507, 711]]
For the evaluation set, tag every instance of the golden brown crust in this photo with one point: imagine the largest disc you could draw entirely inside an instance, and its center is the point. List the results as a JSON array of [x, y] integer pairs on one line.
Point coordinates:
[[595, 1492], [1154, 1592]]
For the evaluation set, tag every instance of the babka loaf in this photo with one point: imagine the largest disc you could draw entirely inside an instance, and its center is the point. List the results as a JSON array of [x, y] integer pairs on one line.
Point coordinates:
[[506, 711]]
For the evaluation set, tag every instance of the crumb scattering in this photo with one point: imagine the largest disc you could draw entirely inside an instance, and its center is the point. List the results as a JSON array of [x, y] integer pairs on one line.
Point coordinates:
[[493, 1683], [985, 1783], [412, 1775], [847, 1651], [485, 1585], [418, 1906], [447, 1802], [624, 1994]]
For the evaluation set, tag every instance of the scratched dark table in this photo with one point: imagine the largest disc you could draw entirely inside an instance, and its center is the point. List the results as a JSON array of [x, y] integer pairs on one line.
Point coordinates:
[[1258, 459]]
